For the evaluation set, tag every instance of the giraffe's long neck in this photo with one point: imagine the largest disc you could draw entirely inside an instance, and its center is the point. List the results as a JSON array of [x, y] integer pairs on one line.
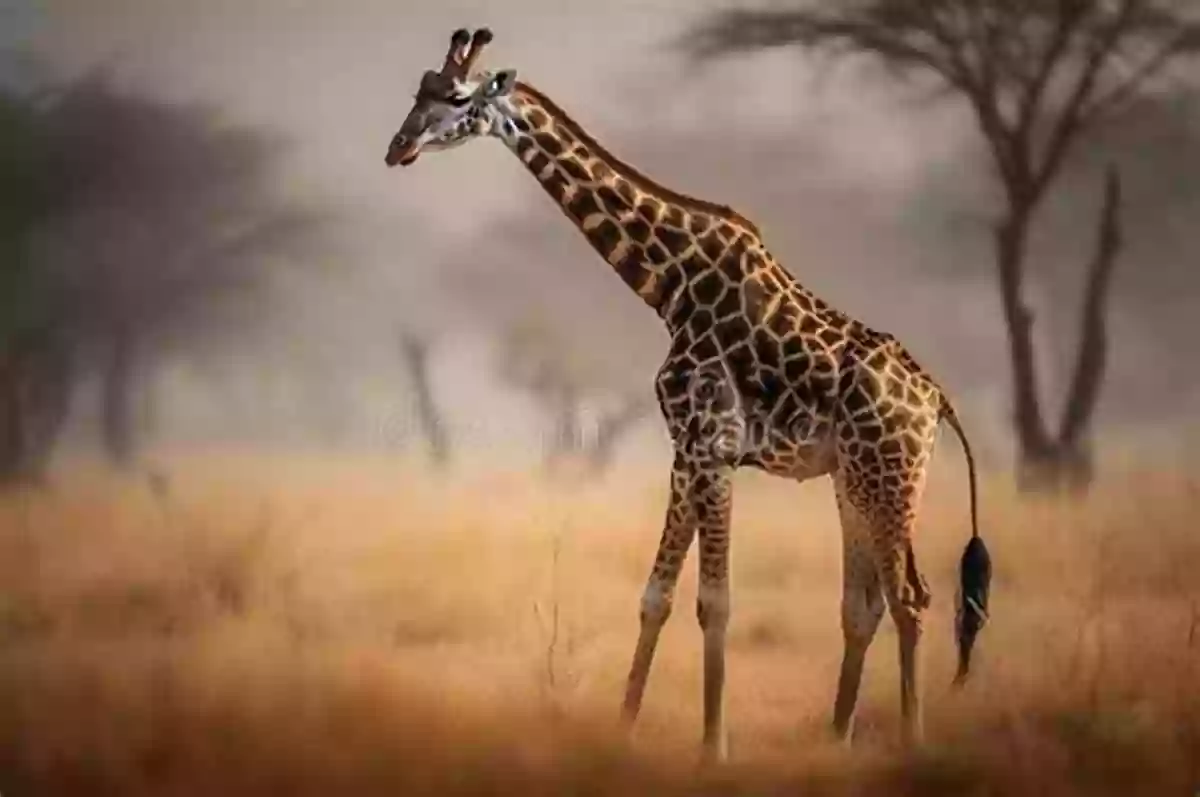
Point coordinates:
[[657, 240]]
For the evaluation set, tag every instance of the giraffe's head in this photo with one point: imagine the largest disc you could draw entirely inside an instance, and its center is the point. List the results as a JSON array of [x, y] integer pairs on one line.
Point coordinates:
[[454, 104]]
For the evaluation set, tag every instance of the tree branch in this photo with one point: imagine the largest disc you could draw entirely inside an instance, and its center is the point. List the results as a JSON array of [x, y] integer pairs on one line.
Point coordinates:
[[1093, 343], [741, 30], [1186, 40], [1069, 15], [1011, 238], [1072, 119]]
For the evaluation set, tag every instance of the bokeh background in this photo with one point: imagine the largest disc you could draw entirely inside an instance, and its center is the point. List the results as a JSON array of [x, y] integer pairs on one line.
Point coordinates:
[[877, 198], [325, 477]]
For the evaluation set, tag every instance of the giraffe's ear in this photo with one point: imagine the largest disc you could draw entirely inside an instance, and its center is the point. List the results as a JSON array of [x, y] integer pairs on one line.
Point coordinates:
[[499, 84]]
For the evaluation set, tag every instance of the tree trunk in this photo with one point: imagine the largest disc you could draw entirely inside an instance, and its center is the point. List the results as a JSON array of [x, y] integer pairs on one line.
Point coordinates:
[[1046, 462], [118, 408], [1073, 441], [416, 360], [566, 433], [1033, 441], [12, 441], [48, 402], [35, 385]]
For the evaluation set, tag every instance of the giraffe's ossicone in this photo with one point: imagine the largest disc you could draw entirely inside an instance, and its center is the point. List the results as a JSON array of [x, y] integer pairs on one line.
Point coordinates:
[[760, 373]]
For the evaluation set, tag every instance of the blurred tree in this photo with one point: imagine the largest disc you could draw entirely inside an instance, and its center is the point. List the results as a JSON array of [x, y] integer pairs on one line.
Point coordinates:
[[1038, 76], [138, 225], [565, 332], [33, 358], [414, 349], [534, 359]]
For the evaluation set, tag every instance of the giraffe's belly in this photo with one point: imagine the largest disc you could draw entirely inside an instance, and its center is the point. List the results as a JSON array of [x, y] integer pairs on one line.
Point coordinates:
[[791, 459]]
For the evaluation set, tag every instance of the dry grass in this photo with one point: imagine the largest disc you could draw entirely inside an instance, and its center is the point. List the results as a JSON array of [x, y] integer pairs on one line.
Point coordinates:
[[357, 628]]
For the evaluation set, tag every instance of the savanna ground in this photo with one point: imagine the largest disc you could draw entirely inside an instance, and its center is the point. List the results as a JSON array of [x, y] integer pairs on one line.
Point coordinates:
[[359, 627]]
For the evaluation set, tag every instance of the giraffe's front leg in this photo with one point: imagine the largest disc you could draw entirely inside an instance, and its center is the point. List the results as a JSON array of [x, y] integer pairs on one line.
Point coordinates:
[[678, 531], [713, 503], [708, 431]]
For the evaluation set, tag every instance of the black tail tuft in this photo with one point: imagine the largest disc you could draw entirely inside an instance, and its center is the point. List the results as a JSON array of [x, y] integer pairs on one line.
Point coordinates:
[[975, 580], [975, 568]]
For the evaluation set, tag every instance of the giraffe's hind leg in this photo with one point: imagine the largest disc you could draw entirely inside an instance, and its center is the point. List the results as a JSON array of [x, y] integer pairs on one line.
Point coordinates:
[[905, 591], [883, 483], [908, 597], [862, 609]]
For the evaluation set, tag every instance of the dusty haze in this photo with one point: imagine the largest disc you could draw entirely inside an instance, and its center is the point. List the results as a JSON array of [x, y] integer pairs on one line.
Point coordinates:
[[871, 196], [300, 605]]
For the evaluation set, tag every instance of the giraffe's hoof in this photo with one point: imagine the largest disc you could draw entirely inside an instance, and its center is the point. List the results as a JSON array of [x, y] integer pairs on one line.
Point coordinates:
[[913, 739], [842, 734], [714, 753], [629, 715]]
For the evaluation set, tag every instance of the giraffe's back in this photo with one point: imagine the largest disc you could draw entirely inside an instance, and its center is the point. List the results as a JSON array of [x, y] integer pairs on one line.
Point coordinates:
[[794, 363]]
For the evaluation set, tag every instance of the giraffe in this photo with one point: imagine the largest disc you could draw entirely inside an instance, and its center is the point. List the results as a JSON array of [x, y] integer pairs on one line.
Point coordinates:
[[759, 373]]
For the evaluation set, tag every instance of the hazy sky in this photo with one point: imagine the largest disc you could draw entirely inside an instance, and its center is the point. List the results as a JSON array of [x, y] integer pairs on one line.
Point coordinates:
[[337, 77]]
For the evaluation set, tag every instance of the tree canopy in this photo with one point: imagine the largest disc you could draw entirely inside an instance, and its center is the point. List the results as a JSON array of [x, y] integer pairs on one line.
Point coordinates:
[[129, 225], [1035, 72]]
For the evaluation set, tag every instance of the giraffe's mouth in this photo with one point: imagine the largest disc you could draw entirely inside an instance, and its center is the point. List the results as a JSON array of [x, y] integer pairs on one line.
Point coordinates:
[[402, 157]]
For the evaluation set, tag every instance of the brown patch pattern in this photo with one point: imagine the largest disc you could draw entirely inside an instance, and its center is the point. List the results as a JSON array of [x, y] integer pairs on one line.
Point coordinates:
[[760, 373]]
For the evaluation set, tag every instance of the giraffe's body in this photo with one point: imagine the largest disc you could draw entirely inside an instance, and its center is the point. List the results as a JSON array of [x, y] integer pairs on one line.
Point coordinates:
[[759, 373]]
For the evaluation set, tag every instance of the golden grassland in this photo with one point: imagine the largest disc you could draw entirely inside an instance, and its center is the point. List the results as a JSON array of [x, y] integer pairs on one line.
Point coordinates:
[[361, 627]]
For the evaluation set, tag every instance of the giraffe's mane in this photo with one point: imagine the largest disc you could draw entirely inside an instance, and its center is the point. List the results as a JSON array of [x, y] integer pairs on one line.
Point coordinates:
[[639, 178]]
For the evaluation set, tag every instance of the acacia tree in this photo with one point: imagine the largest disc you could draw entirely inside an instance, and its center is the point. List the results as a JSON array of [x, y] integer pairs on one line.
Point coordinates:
[[1038, 76], [163, 236], [140, 225]]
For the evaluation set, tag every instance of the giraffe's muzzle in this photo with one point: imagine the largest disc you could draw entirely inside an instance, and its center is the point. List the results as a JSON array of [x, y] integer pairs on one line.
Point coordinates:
[[402, 153]]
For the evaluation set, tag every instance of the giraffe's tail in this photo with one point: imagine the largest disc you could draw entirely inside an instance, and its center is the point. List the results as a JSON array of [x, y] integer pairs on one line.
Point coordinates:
[[975, 566]]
